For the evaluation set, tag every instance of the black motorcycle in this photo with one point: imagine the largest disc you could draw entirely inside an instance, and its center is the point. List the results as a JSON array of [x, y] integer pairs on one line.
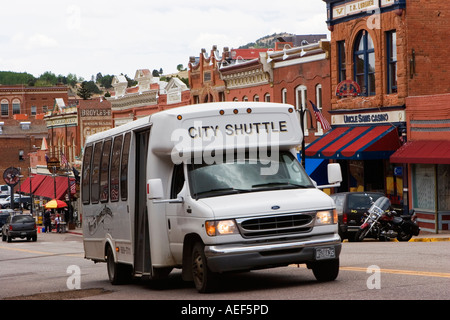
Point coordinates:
[[382, 223]]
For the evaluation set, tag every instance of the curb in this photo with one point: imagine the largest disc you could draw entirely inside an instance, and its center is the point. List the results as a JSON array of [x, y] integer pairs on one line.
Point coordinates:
[[429, 239]]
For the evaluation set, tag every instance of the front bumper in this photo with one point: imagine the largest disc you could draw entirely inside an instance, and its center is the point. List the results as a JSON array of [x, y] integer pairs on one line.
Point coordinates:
[[234, 257]]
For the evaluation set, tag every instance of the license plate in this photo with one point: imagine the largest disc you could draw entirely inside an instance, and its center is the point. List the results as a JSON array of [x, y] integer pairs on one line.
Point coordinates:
[[325, 253]]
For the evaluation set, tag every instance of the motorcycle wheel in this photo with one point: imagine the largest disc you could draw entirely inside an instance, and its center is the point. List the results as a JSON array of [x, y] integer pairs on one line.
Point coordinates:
[[403, 236], [361, 234]]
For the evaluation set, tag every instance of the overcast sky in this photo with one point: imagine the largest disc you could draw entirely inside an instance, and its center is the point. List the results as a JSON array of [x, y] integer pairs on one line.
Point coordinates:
[[112, 37]]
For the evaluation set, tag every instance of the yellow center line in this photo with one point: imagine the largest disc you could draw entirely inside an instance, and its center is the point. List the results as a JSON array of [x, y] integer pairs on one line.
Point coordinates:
[[26, 250], [75, 254], [391, 271], [403, 272]]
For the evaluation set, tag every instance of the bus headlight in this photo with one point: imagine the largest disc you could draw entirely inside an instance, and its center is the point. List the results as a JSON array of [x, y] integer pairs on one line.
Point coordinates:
[[221, 227], [326, 217]]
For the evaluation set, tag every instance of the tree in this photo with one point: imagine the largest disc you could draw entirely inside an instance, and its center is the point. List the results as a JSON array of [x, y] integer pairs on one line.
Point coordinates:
[[84, 91]]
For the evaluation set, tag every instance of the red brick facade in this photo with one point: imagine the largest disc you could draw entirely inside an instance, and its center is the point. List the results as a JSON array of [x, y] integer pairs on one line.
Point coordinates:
[[22, 124], [422, 89]]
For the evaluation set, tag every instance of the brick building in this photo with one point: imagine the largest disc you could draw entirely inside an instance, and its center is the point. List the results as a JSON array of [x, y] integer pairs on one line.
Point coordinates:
[[150, 95], [387, 58], [249, 80], [204, 78], [22, 127]]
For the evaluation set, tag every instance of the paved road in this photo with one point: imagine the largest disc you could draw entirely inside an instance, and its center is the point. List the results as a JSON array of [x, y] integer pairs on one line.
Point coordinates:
[[50, 267]]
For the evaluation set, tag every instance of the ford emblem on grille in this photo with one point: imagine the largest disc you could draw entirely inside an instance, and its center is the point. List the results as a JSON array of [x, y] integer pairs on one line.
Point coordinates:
[[275, 207]]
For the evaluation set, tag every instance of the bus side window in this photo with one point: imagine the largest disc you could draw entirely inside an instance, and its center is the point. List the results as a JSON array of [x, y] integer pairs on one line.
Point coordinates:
[[177, 181], [124, 167], [115, 169], [104, 171], [95, 182], [85, 187]]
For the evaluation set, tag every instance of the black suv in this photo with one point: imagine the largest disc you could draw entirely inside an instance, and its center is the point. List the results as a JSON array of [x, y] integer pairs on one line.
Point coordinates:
[[19, 226], [351, 207]]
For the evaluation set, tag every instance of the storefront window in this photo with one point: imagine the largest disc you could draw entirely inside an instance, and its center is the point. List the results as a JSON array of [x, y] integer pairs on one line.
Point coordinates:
[[444, 187], [424, 186]]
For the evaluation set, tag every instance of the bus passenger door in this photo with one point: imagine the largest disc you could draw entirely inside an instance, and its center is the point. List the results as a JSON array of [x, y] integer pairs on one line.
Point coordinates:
[[176, 213], [142, 257]]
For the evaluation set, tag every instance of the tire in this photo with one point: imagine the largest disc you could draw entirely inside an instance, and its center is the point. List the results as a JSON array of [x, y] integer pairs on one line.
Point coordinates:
[[403, 236], [326, 270], [117, 273], [204, 279], [361, 234]]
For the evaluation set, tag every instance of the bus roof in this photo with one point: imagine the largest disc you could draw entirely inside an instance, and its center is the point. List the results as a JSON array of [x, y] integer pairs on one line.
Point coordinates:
[[217, 125]]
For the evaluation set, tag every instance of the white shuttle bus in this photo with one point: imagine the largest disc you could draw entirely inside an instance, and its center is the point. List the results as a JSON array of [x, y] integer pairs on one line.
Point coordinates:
[[208, 188]]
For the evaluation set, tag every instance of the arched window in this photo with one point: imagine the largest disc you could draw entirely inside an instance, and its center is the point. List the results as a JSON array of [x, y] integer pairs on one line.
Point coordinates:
[[284, 95], [4, 107], [364, 63], [301, 99], [16, 106]]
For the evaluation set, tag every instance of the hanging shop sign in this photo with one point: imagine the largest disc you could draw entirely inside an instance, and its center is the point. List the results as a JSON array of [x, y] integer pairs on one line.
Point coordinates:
[[11, 176], [53, 162]]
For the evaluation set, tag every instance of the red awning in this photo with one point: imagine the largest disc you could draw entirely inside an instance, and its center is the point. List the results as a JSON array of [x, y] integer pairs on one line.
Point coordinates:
[[36, 181], [47, 187], [358, 142], [425, 151]]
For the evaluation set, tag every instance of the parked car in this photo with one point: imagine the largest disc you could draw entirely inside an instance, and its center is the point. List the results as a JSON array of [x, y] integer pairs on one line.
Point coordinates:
[[5, 190], [351, 207], [19, 226], [22, 202], [6, 202], [4, 214]]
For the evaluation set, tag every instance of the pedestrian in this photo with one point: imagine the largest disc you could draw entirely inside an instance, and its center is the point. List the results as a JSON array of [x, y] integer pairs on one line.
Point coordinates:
[[58, 223], [47, 221]]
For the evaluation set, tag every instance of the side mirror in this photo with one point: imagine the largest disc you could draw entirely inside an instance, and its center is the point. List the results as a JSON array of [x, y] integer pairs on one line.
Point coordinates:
[[334, 176], [155, 189], [155, 192], [334, 173]]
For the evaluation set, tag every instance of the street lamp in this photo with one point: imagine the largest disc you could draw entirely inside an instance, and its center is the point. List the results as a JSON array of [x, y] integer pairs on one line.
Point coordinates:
[[31, 190]]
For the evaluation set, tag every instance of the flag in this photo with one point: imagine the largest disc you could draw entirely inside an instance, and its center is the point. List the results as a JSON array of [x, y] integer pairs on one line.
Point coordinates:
[[320, 118], [64, 160], [73, 187]]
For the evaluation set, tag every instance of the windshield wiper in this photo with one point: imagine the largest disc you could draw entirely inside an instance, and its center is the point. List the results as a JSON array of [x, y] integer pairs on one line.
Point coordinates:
[[219, 191], [279, 185]]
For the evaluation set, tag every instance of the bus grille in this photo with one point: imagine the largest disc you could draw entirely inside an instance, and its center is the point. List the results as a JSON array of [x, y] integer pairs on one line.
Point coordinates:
[[276, 225]]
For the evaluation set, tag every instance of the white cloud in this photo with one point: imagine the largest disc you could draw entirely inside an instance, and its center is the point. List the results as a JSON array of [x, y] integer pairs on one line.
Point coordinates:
[[37, 41], [112, 36]]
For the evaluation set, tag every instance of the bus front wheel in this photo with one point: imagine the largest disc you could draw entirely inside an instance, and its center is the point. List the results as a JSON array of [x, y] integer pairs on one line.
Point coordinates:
[[204, 279]]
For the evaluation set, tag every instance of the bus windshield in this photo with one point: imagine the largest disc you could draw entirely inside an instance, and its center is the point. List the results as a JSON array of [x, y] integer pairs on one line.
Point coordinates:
[[246, 174]]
